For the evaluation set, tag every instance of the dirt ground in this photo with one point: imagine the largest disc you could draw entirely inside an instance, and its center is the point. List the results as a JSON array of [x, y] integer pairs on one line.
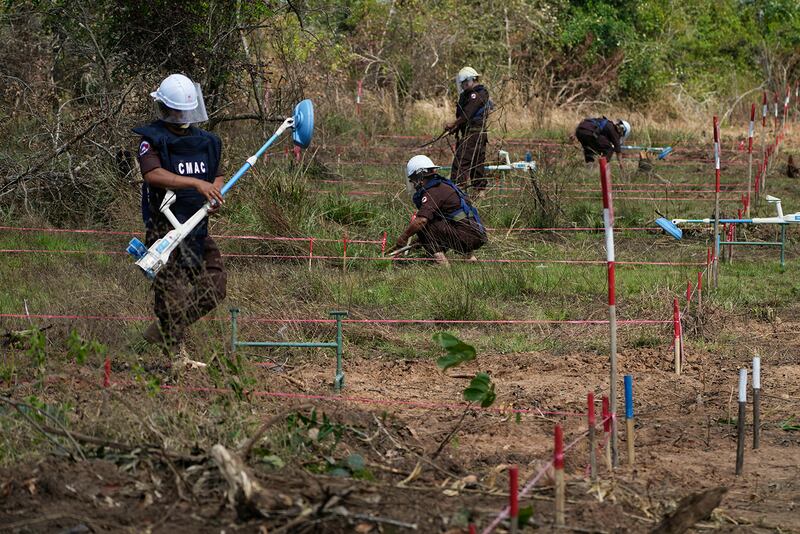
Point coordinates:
[[685, 442]]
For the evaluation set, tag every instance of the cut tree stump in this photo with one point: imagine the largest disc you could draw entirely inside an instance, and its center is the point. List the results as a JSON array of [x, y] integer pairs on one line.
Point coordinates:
[[690, 510]]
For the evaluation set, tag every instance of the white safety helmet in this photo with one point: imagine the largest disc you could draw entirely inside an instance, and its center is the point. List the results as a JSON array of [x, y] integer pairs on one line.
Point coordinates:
[[180, 101], [626, 129], [419, 163], [467, 73]]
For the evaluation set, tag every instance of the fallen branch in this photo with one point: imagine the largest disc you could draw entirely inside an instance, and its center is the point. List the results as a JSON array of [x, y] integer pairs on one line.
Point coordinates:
[[245, 493]]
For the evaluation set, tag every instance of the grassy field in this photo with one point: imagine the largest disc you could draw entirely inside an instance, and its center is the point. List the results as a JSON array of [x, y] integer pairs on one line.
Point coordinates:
[[369, 461]]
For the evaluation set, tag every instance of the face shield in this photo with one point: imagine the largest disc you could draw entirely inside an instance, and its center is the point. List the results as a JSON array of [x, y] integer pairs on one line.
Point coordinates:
[[182, 117]]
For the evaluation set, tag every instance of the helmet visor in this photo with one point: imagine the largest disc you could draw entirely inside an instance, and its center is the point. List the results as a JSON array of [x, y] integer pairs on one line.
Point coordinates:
[[190, 116]]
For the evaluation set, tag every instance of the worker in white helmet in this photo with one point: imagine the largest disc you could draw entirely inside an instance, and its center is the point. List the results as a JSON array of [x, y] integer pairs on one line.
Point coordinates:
[[601, 137], [445, 218], [472, 111], [175, 156]]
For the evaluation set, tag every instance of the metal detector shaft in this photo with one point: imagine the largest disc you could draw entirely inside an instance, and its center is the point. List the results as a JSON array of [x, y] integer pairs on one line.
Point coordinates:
[[401, 250], [251, 161]]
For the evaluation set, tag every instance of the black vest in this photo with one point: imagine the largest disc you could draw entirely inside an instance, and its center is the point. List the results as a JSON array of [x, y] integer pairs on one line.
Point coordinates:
[[196, 154]]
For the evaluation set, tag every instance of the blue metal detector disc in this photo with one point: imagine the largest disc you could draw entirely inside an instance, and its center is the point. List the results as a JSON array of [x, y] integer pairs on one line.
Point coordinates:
[[669, 227], [664, 153], [303, 123]]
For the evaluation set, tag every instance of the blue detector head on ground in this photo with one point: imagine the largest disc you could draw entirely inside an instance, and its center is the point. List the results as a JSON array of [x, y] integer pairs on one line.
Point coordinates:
[[303, 123], [664, 153], [669, 227]]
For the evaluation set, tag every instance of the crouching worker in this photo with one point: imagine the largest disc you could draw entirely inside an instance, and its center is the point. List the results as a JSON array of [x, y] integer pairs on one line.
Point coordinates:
[[601, 137], [445, 219], [178, 158]]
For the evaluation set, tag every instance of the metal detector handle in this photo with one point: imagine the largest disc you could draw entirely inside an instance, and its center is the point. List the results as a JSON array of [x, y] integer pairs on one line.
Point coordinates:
[[251, 161], [400, 250]]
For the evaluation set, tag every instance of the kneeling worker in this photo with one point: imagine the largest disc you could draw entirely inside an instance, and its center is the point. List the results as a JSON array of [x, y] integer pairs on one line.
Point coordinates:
[[601, 137], [445, 218]]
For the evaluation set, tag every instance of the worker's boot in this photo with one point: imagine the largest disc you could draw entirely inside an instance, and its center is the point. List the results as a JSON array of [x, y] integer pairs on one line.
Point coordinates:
[[153, 334]]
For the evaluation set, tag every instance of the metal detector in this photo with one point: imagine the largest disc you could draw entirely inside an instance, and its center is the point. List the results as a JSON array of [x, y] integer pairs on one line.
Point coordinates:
[[671, 227], [663, 152]]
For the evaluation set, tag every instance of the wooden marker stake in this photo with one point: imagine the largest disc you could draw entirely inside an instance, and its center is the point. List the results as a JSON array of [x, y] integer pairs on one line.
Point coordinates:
[[607, 430], [676, 327], [513, 498], [756, 402], [592, 452], [107, 373], [715, 277], [750, 155], [742, 415], [628, 380], [558, 465], [699, 294]]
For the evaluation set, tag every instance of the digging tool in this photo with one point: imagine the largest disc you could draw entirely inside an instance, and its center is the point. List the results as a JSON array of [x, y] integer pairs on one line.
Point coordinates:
[[662, 152], [672, 227], [152, 260]]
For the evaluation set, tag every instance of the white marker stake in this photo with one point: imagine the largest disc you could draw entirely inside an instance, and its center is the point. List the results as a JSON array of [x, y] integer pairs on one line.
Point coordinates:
[[716, 204], [742, 414], [750, 133], [756, 402]]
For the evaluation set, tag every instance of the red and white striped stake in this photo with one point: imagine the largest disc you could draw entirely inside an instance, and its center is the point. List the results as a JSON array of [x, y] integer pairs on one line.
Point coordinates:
[[608, 223], [786, 105], [591, 423], [760, 178], [716, 200], [358, 97], [796, 99], [750, 133], [107, 373], [383, 244], [777, 122], [473, 529], [676, 329], [558, 466], [606, 413], [513, 497]]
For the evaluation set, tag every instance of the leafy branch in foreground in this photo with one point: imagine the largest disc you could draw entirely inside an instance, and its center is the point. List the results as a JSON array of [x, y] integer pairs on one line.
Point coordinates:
[[480, 389]]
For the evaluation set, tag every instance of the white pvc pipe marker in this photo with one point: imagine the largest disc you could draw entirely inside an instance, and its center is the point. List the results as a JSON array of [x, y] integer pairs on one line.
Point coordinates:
[[756, 373], [742, 385]]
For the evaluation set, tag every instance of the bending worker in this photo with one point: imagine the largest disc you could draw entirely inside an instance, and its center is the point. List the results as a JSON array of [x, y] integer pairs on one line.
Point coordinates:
[[445, 218], [472, 111], [601, 137], [178, 158]]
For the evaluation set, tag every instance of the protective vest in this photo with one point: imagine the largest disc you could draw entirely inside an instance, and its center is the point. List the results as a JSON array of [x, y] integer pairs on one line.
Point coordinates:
[[466, 211], [600, 123], [196, 154], [479, 117]]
